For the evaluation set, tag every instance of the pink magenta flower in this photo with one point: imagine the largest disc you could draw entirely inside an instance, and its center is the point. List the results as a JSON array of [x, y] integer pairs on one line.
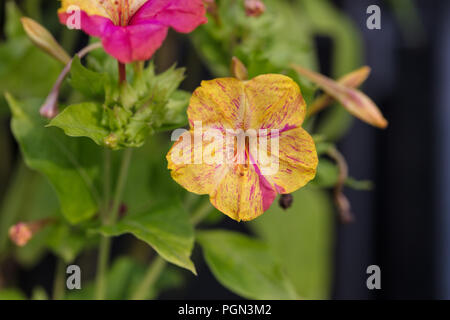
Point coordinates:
[[132, 30], [271, 109]]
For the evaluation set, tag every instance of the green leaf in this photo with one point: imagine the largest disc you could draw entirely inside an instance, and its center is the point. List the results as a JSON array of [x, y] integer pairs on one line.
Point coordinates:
[[124, 277], [301, 238], [20, 57], [39, 293], [82, 120], [148, 165], [42, 203], [25, 70], [327, 174], [261, 43], [13, 26], [67, 242], [12, 294], [362, 185], [245, 265], [175, 112], [90, 83], [70, 164], [166, 228]]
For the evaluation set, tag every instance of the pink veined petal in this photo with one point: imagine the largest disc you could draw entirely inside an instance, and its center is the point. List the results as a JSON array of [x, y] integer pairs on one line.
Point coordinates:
[[268, 194], [93, 25], [182, 15], [135, 42]]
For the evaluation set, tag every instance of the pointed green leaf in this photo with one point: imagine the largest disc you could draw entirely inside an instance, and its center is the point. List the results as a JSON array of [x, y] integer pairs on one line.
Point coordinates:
[[166, 228], [12, 294], [301, 238], [124, 278], [245, 266], [70, 164], [82, 120], [89, 83]]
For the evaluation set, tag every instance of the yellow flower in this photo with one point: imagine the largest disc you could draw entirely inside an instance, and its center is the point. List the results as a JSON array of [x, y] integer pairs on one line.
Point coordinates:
[[245, 144]]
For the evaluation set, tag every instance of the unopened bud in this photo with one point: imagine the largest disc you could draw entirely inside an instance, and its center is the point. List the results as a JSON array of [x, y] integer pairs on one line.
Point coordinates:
[[20, 234], [254, 8], [43, 39], [111, 141], [50, 109], [355, 78], [352, 80], [238, 70], [286, 201], [354, 101], [344, 208]]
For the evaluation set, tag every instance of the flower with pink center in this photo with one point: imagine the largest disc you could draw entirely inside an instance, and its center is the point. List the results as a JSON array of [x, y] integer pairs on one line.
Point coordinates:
[[132, 30]]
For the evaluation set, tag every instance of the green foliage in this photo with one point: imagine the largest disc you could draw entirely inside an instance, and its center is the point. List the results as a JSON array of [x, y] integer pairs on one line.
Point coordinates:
[[149, 182], [18, 56], [39, 293], [166, 228], [82, 120], [123, 116], [301, 239], [327, 174], [42, 203], [262, 43], [92, 84], [124, 277], [71, 165], [11, 294], [67, 242], [245, 265]]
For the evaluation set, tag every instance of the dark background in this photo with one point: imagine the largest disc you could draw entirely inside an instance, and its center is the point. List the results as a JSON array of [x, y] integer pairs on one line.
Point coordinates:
[[404, 226]]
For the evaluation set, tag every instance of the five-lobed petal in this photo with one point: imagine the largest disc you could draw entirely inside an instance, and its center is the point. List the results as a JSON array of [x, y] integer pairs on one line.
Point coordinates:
[[270, 105], [132, 30]]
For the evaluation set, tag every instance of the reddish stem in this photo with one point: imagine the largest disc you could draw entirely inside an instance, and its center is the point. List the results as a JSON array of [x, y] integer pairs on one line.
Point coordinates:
[[122, 73]]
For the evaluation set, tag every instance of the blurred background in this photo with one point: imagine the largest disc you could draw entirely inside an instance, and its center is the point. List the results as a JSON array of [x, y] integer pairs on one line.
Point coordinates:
[[402, 225]]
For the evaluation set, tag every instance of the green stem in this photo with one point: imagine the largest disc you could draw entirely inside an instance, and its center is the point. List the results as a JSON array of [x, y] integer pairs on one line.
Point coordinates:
[[102, 266], [201, 213], [158, 265], [111, 218], [122, 73], [59, 281], [121, 183], [150, 278], [106, 184]]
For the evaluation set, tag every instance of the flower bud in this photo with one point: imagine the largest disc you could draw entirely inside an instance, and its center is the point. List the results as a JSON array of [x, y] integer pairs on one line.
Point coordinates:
[[356, 102], [254, 8], [238, 70], [355, 78], [352, 80], [44, 40], [286, 201], [111, 141], [20, 234], [50, 109]]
